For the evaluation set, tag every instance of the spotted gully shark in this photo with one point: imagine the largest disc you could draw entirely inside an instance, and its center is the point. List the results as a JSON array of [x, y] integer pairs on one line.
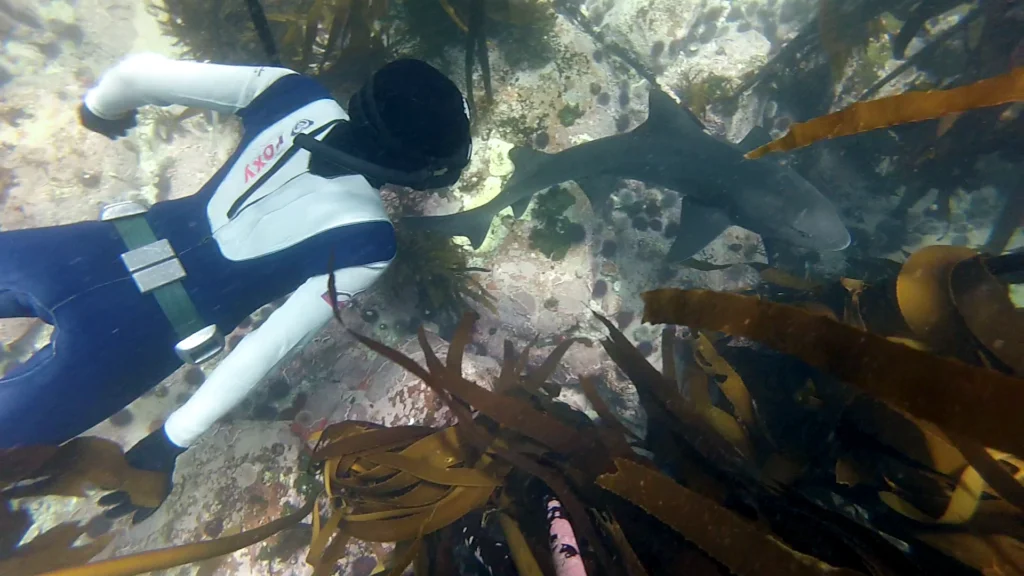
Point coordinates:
[[671, 150]]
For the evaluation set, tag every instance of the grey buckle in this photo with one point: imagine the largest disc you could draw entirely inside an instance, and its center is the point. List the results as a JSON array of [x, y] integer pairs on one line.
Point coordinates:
[[119, 210], [200, 346], [160, 275], [148, 255], [153, 265]]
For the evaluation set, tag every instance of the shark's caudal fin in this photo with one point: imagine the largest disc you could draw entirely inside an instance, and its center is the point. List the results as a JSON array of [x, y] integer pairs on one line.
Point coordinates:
[[698, 226], [526, 161], [473, 224]]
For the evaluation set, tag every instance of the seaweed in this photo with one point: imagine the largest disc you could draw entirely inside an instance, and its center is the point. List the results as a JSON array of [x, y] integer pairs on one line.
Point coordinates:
[[975, 402], [712, 89], [899, 109], [756, 461], [211, 31], [68, 470], [340, 41], [569, 114], [555, 233], [476, 50], [438, 270], [522, 30]]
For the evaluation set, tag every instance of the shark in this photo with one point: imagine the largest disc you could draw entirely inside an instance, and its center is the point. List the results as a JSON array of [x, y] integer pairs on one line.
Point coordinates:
[[671, 149]]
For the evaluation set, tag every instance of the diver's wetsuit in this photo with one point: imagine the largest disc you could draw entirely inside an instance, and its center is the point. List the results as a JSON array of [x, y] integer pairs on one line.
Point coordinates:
[[111, 343]]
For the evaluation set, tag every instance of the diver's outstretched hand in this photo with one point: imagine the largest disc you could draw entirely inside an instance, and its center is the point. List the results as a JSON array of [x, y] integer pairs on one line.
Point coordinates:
[[155, 453], [112, 129]]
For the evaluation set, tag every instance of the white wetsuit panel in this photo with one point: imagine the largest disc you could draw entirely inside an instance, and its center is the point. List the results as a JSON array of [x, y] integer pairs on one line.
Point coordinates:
[[290, 206]]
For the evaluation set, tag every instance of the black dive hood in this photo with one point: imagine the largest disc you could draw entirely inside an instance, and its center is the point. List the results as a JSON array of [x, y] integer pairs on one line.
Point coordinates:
[[366, 119], [437, 174]]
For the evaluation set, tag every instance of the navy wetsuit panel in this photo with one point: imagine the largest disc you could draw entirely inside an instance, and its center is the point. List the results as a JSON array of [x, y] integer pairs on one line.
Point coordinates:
[[111, 343]]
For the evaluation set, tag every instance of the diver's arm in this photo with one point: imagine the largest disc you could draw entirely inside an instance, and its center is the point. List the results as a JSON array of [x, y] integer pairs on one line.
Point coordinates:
[[147, 78], [288, 328]]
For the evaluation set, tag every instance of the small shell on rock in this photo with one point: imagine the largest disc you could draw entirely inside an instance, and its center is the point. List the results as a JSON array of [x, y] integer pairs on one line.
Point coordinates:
[[245, 475]]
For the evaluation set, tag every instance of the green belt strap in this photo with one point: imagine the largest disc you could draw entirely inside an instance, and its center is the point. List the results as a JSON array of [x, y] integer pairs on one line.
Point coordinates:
[[172, 298]]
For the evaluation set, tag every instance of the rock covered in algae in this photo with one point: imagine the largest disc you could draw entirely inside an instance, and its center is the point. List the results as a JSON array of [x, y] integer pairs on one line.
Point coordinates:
[[691, 43]]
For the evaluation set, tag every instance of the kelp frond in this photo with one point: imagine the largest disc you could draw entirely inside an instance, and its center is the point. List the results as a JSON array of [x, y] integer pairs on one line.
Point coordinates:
[[943, 390], [438, 270], [899, 109], [512, 432], [178, 555], [929, 442], [67, 470], [975, 402]]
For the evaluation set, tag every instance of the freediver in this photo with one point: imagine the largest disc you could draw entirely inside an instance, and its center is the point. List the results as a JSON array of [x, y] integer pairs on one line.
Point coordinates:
[[143, 290]]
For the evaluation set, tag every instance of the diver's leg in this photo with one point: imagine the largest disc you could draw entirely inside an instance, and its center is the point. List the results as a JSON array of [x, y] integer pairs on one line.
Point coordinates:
[[110, 343], [13, 305]]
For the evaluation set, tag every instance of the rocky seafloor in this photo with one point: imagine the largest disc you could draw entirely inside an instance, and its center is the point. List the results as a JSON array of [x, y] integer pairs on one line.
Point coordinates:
[[246, 471]]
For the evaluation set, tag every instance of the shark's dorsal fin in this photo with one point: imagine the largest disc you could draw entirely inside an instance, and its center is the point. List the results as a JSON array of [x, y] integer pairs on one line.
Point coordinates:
[[757, 137], [665, 113]]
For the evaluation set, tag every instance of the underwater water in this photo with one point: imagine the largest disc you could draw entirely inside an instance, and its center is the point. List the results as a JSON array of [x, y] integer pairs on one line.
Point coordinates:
[[632, 338]]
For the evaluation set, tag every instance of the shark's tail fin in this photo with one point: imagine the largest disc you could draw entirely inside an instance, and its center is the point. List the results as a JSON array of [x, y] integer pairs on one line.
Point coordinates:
[[526, 161], [473, 224]]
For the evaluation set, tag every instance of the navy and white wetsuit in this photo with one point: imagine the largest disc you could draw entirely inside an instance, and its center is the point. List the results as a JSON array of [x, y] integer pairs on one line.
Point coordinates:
[[112, 343]]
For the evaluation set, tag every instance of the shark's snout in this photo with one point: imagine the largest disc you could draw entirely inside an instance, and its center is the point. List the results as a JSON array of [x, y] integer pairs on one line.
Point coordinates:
[[822, 229], [843, 241]]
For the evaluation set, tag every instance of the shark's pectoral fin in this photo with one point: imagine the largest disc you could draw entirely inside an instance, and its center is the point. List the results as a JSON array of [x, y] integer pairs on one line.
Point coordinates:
[[526, 161], [473, 224], [519, 208], [598, 190], [757, 137], [699, 225]]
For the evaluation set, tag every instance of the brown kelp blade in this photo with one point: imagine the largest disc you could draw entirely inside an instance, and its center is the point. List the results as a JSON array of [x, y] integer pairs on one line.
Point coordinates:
[[526, 563], [899, 109], [988, 554], [92, 462], [975, 402], [178, 555], [984, 303], [23, 463], [589, 386], [953, 302], [516, 414], [711, 527], [53, 550], [922, 290]]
